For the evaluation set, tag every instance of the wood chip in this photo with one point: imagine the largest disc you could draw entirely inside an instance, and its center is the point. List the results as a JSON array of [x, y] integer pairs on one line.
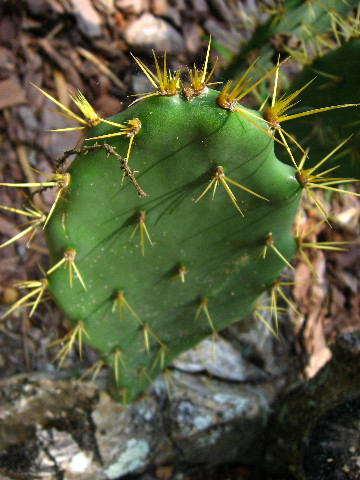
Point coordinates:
[[11, 92]]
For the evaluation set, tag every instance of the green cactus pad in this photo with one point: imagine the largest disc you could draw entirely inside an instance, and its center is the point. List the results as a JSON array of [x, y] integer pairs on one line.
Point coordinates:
[[201, 269]]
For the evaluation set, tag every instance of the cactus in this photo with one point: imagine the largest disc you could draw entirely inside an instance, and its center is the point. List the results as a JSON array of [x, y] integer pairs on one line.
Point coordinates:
[[317, 27], [170, 224], [335, 83]]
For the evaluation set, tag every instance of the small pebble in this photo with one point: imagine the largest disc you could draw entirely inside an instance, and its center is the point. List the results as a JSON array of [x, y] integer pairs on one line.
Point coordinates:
[[88, 19], [148, 32], [9, 295]]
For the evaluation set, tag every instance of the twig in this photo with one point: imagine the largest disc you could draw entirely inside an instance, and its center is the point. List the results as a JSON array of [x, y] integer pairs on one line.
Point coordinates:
[[110, 151], [101, 66], [29, 174]]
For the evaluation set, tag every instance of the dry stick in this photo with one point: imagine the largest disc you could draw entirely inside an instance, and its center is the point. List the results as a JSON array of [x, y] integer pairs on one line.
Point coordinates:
[[110, 151], [101, 66], [29, 174], [62, 91]]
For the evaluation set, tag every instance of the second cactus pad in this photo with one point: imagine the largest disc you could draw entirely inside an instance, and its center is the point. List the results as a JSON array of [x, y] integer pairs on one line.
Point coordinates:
[[156, 274]]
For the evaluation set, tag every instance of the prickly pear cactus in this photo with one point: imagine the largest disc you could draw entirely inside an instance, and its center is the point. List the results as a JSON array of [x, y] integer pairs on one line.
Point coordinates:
[[148, 291], [171, 222]]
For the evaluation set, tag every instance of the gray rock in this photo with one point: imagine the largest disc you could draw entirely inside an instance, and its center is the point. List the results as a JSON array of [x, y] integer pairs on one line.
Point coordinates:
[[193, 36], [161, 8], [230, 39], [217, 422], [140, 84], [52, 425], [148, 32], [200, 6], [88, 19], [220, 359]]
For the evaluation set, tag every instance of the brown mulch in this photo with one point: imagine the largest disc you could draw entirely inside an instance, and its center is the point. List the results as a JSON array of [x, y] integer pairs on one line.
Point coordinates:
[[331, 304]]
